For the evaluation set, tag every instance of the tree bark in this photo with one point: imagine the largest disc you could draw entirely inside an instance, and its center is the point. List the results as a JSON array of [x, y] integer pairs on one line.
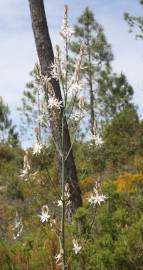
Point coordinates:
[[90, 81], [46, 58]]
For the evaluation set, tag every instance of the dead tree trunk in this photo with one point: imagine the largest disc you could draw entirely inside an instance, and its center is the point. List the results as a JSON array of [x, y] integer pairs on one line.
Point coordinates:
[[46, 57]]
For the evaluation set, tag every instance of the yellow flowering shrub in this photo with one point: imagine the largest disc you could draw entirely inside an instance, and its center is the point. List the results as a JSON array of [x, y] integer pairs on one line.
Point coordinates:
[[127, 181]]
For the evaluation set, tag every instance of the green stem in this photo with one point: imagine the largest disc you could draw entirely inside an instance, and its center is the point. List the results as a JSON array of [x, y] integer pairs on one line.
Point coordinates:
[[66, 81], [63, 196], [63, 164]]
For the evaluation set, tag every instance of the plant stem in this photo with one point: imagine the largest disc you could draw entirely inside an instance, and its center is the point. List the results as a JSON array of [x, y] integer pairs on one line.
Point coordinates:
[[63, 162], [63, 197]]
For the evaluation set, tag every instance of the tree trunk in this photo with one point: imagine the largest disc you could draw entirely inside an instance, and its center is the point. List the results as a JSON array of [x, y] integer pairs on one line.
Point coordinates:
[[90, 82], [46, 58]]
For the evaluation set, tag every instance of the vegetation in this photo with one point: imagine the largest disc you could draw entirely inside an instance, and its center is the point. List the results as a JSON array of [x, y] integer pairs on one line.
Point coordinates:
[[50, 220]]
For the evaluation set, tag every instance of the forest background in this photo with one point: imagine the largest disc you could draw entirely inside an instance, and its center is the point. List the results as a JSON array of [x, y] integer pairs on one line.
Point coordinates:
[[107, 153]]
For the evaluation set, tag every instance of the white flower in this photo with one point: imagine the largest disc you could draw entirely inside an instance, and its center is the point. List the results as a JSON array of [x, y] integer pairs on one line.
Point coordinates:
[[38, 145], [44, 217], [26, 166], [54, 103], [24, 172], [37, 148], [68, 203], [67, 191], [59, 257], [75, 88], [66, 197], [67, 31], [98, 140], [44, 80], [18, 227], [60, 203], [76, 247], [55, 72], [81, 103], [91, 200], [77, 116], [97, 199]]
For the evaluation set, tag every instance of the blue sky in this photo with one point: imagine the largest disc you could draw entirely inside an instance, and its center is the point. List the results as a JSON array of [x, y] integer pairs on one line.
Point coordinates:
[[17, 48]]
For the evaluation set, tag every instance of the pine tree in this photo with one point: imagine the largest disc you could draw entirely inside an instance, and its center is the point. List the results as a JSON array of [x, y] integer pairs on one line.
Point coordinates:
[[31, 107], [108, 92], [114, 94], [97, 58], [7, 129], [135, 23], [123, 137]]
